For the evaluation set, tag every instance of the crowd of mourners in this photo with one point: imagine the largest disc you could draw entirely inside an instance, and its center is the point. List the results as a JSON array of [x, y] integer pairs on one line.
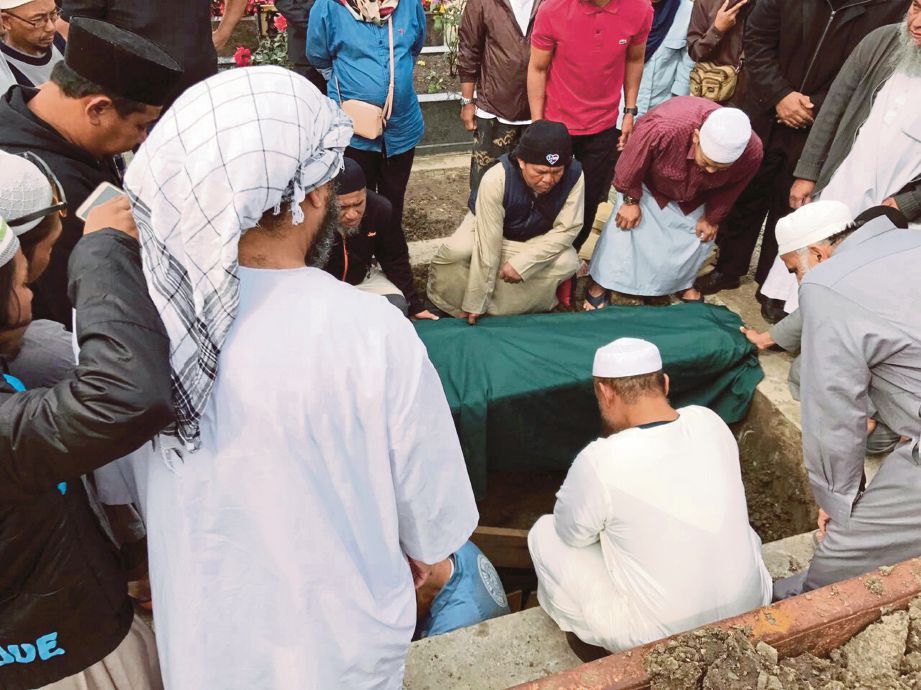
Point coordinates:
[[195, 392]]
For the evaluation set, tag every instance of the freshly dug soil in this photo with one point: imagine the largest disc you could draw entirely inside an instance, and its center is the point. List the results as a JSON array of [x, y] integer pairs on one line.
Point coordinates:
[[885, 656], [436, 202]]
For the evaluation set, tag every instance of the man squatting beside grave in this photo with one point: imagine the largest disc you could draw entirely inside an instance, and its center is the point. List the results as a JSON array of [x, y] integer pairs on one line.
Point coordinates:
[[514, 247], [662, 487]]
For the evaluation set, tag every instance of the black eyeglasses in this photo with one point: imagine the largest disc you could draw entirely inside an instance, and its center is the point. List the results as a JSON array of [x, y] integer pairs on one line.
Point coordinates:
[[58, 198], [38, 22]]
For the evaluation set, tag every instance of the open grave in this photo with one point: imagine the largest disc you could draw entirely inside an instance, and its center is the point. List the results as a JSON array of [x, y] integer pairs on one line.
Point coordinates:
[[527, 646]]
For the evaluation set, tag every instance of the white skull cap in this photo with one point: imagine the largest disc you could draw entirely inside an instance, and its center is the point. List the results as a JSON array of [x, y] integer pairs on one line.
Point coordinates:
[[626, 357]]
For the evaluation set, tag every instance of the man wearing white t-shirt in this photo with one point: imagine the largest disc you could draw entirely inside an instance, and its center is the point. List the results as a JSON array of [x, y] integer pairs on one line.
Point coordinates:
[[492, 62], [649, 536]]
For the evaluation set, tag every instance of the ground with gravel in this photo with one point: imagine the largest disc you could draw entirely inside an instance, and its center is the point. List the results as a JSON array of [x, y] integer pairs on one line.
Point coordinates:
[[884, 656]]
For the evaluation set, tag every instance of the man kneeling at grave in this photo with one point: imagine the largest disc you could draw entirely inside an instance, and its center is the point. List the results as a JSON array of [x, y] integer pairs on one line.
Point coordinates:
[[649, 536], [370, 251], [514, 247]]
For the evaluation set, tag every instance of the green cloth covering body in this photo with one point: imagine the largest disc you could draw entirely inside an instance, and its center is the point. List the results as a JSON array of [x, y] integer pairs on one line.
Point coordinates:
[[520, 387]]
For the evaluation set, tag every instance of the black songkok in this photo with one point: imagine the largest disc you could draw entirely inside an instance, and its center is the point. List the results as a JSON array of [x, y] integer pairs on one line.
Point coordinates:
[[121, 62], [351, 179]]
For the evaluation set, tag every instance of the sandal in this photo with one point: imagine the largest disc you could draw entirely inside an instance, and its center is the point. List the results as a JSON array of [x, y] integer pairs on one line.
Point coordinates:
[[690, 300], [595, 302]]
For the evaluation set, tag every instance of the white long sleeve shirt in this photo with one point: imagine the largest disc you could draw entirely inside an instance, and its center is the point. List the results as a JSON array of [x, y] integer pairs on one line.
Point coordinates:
[[668, 507]]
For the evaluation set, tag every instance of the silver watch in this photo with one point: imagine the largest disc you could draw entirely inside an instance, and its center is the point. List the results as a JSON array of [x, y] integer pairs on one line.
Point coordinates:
[[467, 101]]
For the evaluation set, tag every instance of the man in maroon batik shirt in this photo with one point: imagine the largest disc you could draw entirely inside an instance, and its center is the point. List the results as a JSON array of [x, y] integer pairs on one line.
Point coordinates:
[[678, 177], [583, 52]]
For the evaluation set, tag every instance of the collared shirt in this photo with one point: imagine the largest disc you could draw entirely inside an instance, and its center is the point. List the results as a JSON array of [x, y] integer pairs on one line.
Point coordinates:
[[30, 70], [358, 53], [589, 45], [660, 155]]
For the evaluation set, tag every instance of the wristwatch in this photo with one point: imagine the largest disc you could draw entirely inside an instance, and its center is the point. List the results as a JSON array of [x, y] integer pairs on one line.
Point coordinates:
[[467, 101], [632, 111], [630, 201]]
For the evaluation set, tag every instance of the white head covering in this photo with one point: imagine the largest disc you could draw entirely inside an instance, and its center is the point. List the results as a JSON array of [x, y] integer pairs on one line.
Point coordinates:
[[725, 134], [9, 243], [231, 148], [626, 357], [12, 4], [24, 189], [810, 224]]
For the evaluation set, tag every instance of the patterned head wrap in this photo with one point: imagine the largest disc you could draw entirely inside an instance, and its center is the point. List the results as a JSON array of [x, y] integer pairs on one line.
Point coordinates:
[[231, 148]]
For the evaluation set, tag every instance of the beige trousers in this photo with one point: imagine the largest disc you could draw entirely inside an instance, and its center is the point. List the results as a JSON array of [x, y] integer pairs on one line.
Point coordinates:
[[134, 665], [450, 274]]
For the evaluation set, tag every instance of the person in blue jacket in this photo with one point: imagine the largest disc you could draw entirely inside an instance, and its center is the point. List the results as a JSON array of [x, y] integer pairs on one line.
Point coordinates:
[[347, 40], [462, 590]]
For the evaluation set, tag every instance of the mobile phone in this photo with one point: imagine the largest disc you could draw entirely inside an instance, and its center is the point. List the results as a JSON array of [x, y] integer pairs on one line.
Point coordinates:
[[103, 193]]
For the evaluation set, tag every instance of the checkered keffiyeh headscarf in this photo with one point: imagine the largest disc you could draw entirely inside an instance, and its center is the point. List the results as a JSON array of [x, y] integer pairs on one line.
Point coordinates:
[[231, 148]]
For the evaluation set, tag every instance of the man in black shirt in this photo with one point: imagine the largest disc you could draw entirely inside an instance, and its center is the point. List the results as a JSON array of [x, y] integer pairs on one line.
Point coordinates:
[[368, 233], [181, 27]]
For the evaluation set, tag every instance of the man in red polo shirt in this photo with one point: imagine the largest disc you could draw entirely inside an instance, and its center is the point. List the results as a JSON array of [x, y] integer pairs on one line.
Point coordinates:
[[582, 53]]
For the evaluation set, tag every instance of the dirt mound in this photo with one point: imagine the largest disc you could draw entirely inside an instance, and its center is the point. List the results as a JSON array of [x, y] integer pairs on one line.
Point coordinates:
[[886, 655]]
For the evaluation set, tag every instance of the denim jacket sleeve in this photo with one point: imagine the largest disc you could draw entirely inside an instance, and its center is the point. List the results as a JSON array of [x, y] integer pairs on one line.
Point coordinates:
[[319, 37]]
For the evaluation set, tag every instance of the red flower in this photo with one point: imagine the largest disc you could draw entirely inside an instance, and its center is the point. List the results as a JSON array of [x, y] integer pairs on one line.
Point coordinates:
[[281, 24], [242, 56]]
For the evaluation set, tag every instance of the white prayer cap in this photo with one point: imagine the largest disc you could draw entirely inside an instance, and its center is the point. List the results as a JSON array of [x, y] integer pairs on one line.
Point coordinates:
[[24, 190], [725, 134], [626, 357], [9, 243], [12, 4], [810, 224]]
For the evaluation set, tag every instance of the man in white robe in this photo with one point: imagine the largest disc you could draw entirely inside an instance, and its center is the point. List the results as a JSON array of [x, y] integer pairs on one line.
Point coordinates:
[[865, 147], [327, 460], [650, 535]]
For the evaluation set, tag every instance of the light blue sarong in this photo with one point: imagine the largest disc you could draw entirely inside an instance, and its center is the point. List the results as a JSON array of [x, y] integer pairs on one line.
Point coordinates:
[[660, 256]]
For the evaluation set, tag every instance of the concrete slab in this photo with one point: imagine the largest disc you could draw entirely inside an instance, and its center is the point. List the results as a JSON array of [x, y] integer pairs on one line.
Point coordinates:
[[441, 161], [526, 646], [496, 654], [785, 557], [422, 251]]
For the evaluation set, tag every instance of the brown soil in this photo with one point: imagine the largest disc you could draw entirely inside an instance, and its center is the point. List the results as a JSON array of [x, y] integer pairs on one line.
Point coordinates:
[[886, 655], [432, 74], [436, 202]]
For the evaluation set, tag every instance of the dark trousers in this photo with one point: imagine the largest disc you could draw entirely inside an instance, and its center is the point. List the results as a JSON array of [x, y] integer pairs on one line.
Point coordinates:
[[386, 176], [768, 194], [598, 155]]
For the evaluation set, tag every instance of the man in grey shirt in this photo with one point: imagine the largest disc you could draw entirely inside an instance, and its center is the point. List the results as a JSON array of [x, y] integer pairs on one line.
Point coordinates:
[[861, 349], [830, 217]]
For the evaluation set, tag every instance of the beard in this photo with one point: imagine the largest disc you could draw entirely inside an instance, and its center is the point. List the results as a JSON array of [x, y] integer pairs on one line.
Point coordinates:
[[908, 53], [349, 232], [318, 254]]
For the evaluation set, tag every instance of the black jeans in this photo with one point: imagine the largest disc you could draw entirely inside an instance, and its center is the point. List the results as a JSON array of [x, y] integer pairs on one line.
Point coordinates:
[[386, 176], [768, 194], [598, 155]]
